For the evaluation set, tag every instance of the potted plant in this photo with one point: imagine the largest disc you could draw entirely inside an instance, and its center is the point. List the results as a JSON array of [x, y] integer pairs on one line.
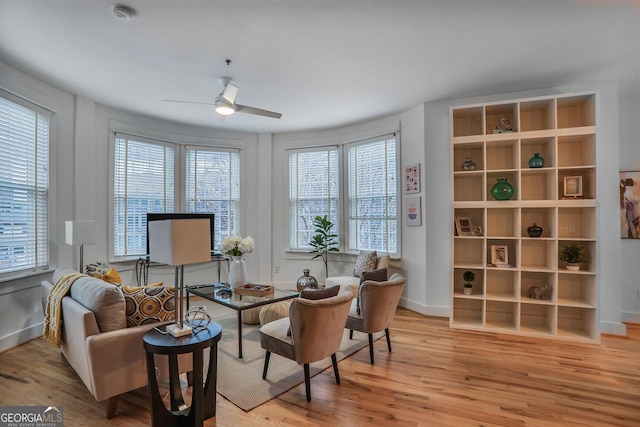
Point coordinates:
[[323, 241], [468, 277], [573, 254]]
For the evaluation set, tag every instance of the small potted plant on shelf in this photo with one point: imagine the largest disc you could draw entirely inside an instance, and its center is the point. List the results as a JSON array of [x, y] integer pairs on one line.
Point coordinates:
[[468, 277], [573, 254]]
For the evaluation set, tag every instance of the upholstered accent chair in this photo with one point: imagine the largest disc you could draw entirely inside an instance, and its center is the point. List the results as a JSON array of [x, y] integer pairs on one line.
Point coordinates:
[[352, 282], [378, 303], [312, 331]]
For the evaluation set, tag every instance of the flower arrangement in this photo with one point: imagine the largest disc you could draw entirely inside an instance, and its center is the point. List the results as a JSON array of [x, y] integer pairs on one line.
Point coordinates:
[[236, 245]]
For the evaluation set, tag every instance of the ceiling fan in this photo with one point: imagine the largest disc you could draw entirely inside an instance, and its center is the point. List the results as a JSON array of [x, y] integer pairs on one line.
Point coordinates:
[[225, 102]]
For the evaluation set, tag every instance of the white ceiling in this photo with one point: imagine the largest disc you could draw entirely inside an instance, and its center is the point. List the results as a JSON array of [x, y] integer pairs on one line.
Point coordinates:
[[322, 63]]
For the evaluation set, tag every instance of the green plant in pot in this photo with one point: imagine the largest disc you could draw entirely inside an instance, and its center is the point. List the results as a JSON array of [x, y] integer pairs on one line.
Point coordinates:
[[323, 241], [468, 277], [573, 254]]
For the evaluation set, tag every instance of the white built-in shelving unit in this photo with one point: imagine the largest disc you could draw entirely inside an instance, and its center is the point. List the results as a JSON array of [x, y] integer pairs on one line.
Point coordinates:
[[563, 130]]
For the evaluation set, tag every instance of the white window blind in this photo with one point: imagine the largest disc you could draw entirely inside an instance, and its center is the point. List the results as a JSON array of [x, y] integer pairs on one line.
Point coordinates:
[[24, 187], [143, 182], [372, 205], [213, 186], [314, 182]]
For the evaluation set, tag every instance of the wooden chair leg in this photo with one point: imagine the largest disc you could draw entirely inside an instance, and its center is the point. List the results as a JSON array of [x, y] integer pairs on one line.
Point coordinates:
[[266, 365], [110, 406], [190, 378], [307, 381], [386, 332], [334, 360], [371, 347]]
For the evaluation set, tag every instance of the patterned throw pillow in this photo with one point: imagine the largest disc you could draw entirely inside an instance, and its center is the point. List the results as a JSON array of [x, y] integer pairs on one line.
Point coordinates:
[[379, 275], [149, 304], [366, 261]]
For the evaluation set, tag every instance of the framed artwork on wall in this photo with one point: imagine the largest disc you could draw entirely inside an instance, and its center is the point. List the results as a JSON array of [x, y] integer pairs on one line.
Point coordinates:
[[414, 210], [412, 178], [629, 205]]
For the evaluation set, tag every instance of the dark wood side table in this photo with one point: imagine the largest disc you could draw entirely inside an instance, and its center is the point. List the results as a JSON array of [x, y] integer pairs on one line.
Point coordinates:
[[203, 399]]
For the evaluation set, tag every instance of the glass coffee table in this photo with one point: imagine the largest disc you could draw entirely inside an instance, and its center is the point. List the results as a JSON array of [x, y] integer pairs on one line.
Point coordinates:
[[230, 298]]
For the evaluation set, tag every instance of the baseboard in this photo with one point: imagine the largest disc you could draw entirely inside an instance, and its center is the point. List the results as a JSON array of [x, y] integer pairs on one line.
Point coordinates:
[[424, 309], [630, 316], [613, 328], [20, 337]]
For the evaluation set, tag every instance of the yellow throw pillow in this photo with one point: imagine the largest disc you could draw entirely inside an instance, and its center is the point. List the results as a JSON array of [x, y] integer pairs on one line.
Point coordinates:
[[149, 304], [112, 276]]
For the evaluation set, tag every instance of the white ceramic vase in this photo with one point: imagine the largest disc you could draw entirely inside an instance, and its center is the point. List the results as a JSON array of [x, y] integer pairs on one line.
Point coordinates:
[[573, 266], [237, 272]]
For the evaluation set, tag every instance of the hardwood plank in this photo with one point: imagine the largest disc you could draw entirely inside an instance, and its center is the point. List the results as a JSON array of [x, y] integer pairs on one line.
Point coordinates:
[[435, 376]]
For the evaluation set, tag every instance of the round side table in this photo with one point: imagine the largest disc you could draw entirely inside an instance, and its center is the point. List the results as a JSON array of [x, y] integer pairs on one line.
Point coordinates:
[[203, 399]]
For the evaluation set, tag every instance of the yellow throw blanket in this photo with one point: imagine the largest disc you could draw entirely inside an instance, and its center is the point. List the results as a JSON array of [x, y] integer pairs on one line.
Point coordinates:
[[53, 312]]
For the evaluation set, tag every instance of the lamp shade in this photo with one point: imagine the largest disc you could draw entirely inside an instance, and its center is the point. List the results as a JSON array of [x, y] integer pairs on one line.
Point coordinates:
[[180, 241], [80, 232]]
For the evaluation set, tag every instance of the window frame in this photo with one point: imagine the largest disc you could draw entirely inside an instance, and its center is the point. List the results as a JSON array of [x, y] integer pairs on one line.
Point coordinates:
[[41, 244], [343, 200]]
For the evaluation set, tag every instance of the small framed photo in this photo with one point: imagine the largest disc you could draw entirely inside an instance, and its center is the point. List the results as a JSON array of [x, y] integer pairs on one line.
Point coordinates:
[[572, 186], [412, 178], [464, 227], [499, 255]]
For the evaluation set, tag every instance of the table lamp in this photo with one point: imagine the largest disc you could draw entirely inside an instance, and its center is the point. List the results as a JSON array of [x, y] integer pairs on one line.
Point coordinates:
[[179, 242], [80, 233]]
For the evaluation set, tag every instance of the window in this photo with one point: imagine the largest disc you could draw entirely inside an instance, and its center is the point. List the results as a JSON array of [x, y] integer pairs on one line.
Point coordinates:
[[372, 207], [213, 186], [313, 190], [24, 186], [369, 209], [143, 182]]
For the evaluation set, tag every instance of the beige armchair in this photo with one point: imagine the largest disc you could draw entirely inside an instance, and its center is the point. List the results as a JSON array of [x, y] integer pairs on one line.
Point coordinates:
[[316, 329], [352, 282], [378, 303]]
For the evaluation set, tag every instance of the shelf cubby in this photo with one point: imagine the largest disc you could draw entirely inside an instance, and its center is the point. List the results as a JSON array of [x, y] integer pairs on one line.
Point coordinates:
[[512, 254], [467, 121], [492, 179], [501, 315], [472, 150], [538, 184], [545, 147], [576, 151], [495, 113], [468, 187], [475, 215], [468, 312], [502, 222], [576, 111], [577, 223], [502, 285], [543, 217], [577, 323], [537, 278], [537, 318], [537, 254], [588, 176], [502, 155], [467, 252], [577, 290], [537, 115], [478, 282], [587, 266]]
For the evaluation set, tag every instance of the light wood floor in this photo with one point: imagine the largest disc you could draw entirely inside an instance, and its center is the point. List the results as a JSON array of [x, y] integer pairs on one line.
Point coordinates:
[[435, 376]]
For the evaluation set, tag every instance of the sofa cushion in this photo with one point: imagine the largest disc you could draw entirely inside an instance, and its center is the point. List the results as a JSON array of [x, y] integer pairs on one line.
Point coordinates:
[[149, 304], [103, 299], [315, 294], [366, 261]]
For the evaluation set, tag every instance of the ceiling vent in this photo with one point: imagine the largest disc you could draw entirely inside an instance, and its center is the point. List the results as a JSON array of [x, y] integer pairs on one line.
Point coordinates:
[[124, 13]]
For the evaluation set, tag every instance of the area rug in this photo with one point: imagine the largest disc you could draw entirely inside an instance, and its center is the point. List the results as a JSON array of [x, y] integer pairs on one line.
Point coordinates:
[[240, 380]]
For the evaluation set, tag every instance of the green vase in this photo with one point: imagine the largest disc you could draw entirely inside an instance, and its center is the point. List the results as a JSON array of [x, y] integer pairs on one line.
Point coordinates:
[[502, 190], [536, 161]]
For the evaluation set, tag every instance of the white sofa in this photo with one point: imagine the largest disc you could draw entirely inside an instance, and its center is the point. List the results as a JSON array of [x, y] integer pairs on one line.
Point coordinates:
[[353, 282], [107, 355]]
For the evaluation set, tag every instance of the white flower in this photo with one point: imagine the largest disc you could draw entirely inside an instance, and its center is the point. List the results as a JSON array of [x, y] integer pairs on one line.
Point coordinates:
[[236, 246]]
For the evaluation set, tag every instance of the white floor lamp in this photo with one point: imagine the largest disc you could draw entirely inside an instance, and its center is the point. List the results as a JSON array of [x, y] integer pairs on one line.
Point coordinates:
[[179, 242], [80, 233]]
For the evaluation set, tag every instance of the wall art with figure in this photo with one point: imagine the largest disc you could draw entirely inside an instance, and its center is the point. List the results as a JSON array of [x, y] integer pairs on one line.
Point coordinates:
[[630, 205]]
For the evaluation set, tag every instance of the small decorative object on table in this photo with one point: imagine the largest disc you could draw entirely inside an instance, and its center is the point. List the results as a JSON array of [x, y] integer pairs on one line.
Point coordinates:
[[534, 230], [537, 292], [198, 318], [253, 290], [235, 247], [536, 161], [503, 126], [468, 277], [306, 281], [502, 190], [468, 165]]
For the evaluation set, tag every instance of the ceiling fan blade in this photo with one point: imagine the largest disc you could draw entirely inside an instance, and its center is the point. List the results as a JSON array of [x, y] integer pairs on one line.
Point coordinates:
[[230, 92], [257, 111], [188, 102]]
